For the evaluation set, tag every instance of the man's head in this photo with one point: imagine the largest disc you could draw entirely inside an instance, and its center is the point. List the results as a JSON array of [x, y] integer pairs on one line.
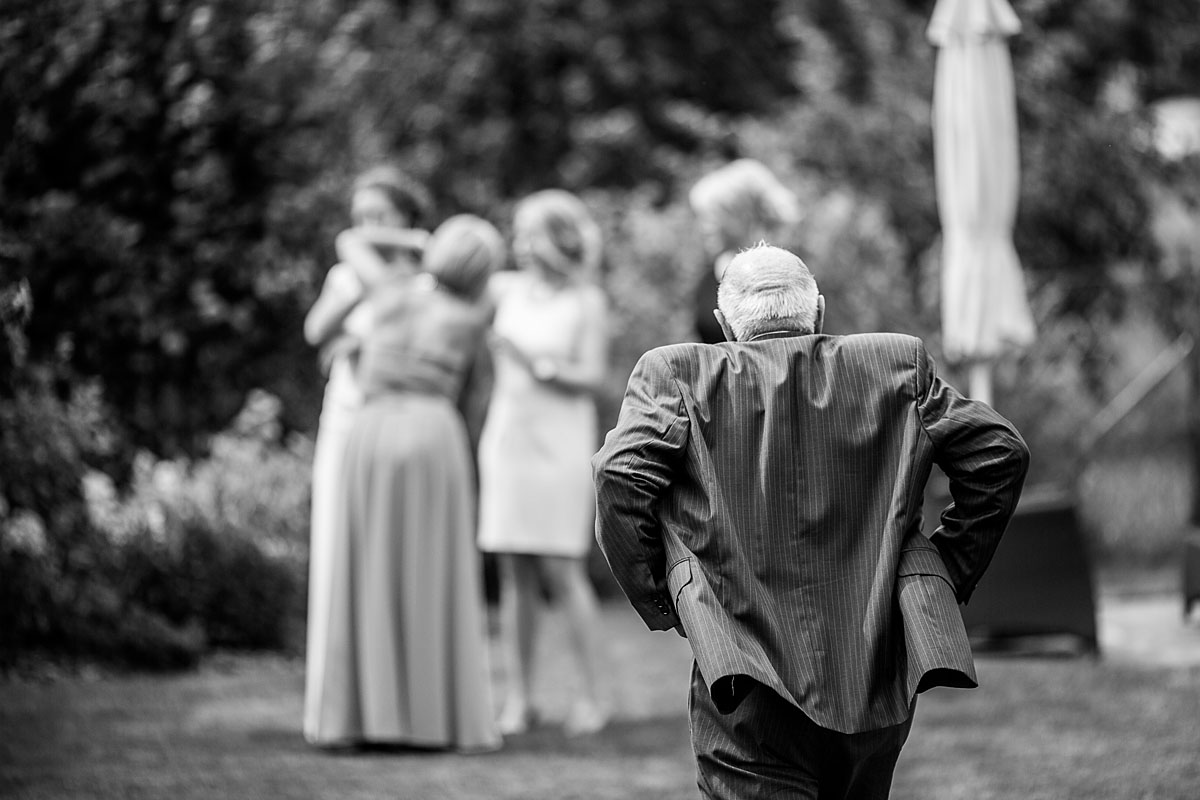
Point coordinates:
[[765, 289]]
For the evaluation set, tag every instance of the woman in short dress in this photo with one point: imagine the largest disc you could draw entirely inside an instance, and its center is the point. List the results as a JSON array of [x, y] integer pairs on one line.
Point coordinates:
[[550, 349], [406, 651]]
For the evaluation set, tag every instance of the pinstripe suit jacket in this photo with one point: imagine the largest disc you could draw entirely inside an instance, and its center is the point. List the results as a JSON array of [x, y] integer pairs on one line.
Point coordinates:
[[766, 497]]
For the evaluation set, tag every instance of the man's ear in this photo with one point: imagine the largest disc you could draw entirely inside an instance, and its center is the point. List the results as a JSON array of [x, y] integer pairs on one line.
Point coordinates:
[[724, 323], [819, 323]]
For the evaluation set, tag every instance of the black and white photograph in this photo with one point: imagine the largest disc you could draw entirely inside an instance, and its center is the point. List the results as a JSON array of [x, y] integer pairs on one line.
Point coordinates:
[[599, 400]]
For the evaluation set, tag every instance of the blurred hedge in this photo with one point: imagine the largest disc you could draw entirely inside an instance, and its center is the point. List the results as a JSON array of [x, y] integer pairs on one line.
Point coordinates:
[[191, 557]]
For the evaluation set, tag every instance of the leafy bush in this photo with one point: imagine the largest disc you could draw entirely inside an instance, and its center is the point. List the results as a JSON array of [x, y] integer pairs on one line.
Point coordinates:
[[253, 481], [221, 542], [190, 557], [27, 577], [51, 556], [94, 619], [214, 579], [45, 444]]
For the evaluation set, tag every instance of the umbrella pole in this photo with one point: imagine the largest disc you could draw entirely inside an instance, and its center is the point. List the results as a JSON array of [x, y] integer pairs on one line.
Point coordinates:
[[979, 380]]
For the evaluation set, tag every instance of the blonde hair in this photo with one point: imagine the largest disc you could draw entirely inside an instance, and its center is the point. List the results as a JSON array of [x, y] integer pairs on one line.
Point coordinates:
[[462, 253], [767, 288], [573, 239], [747, 193]]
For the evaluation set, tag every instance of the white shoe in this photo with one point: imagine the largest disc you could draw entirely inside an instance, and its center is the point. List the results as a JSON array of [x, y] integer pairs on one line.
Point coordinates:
[[515, 720], [585, 718]]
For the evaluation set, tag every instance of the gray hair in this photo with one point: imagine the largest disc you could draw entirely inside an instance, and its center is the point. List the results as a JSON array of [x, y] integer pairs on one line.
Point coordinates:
[[766, 288]]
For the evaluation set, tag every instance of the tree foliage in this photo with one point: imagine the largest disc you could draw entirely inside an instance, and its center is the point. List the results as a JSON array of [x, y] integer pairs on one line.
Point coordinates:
[[173, 171], [135, 175]]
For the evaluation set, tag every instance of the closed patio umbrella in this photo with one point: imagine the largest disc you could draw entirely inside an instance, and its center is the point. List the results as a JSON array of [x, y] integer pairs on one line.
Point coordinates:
[[985, 311]]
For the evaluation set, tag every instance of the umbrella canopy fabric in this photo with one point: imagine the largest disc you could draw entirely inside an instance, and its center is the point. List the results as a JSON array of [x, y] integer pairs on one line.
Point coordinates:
[[985, 311]]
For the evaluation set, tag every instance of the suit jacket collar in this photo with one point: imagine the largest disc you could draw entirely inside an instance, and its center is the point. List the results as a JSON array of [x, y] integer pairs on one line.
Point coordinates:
[[782, 334]]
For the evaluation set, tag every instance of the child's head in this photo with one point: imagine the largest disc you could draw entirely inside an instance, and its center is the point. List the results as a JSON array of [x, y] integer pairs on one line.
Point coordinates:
[[462, 253], [554, 233], [385, 196]]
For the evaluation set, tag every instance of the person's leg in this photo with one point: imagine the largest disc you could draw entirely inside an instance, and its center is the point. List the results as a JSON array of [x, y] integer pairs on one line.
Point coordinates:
[[870, 762], [570, 584], [760, 749], [518, 623], [767, 747]]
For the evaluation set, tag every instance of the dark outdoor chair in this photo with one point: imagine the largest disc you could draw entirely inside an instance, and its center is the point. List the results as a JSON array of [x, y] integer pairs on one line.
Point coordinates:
[[1039, 583], [1191, 574]]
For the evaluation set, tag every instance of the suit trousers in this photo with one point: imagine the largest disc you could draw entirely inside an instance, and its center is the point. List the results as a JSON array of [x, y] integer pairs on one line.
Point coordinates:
[[767, 747]]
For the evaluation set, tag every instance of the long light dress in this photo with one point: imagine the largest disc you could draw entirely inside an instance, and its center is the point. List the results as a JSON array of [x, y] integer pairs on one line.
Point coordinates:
[[535, 449], [406, 658], [341, 402]]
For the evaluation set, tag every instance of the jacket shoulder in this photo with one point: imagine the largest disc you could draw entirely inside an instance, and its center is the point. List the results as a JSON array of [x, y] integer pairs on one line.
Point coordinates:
[[889, 348], [683, 353], [897, 354], [882, 342]]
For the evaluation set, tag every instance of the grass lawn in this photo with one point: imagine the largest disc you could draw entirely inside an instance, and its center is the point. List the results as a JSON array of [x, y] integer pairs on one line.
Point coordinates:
[[1059, 727]]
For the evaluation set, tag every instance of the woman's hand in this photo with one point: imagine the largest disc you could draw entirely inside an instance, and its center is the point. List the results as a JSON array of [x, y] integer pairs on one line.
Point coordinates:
[[374, 252], [543, 368], [500, 344]]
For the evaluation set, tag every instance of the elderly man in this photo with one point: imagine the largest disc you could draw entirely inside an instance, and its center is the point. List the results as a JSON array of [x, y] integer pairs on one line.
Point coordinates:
[[763, 497]]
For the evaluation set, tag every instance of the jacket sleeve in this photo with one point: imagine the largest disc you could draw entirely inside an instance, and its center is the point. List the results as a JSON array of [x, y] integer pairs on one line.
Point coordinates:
[[631, 471], [985, 459]]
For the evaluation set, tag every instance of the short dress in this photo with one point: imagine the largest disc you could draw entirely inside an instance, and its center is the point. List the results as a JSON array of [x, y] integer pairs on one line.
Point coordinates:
[[535, 450]]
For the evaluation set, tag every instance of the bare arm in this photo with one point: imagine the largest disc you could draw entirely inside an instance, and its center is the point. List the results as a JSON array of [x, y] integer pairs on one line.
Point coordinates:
[[340, 293], [583, 374], [362, 267], [367, 249]]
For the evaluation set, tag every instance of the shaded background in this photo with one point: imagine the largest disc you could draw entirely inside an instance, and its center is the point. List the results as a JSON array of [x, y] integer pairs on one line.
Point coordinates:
[[173, 173]]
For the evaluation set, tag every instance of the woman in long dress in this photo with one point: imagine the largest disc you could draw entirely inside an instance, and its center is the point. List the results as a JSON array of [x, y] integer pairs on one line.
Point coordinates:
[[736, 206], [550, 344], [406, 653], [381, 246]]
